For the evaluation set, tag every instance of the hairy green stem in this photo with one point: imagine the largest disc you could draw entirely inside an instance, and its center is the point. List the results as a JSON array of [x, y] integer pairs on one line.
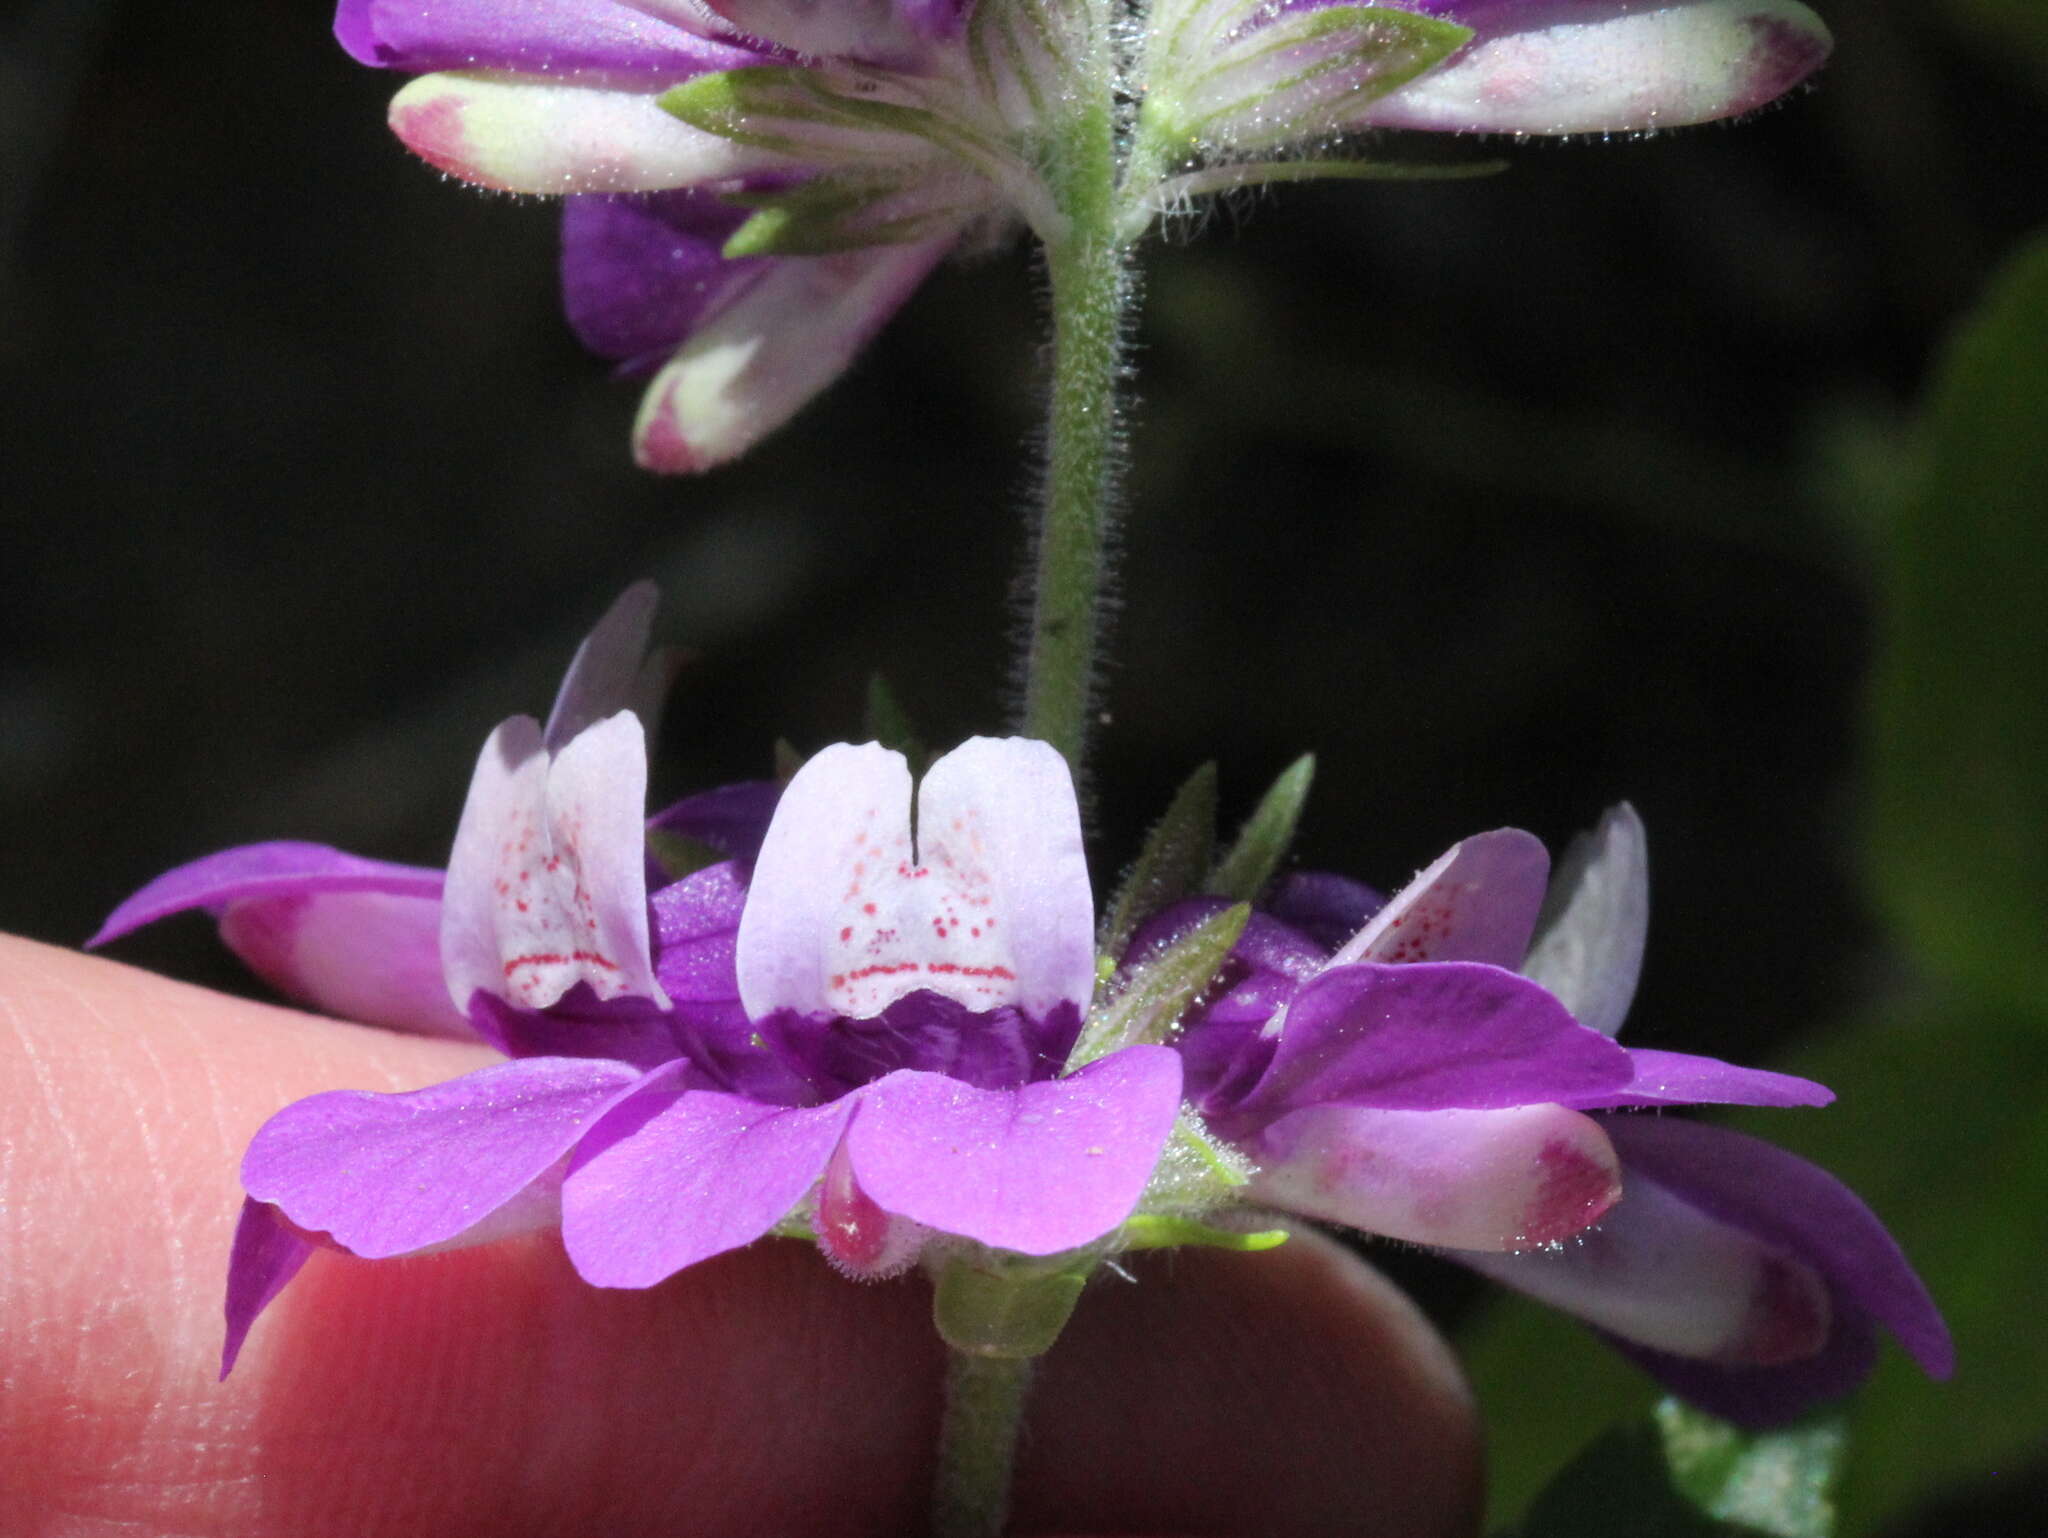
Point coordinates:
[[978, 1443], [1084, 457]]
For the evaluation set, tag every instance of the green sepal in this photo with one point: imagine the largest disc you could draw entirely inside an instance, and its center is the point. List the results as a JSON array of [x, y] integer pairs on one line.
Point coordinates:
[[1171, 865], [1779, 1482], [788, 759], [1160, 988], [821, 216], [1163, 1231], [1005, 1308], [1262, 843], [888, 723], [678, 855], [780, 107]]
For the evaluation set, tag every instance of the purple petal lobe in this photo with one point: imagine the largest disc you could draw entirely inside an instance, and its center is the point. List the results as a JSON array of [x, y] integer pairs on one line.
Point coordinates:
[[1590, 936], [639, 272], [991, 909], [1326, 907], [1477, 903], [1799, 1208], [1680, 1078], [674, 1175], [1480, 1180], [1037, 1170], [755, 362], [390, 1174], [547, 884], [267, 1254], [539, 37], [733, 819], [1431, 1036], [604, 675], [580, 1024], [274, 870], [368, 956]]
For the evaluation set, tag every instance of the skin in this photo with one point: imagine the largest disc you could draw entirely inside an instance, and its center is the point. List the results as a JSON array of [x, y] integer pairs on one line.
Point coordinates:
[[491, 1392]]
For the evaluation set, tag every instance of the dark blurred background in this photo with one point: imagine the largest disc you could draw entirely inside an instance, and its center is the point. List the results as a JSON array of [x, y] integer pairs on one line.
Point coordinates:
[[1508, 498]]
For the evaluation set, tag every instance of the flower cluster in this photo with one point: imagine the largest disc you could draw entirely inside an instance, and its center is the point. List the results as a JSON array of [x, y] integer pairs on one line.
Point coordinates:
[[898, 1039], [754, 186]]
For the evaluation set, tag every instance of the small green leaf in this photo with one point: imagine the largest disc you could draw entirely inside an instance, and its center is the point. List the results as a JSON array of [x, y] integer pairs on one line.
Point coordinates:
[[1162, 1231], [1777, 1482], [1620, 1487], [1172, 863], [1160, 988], [1262, 843], [824, 215], [890, 726]]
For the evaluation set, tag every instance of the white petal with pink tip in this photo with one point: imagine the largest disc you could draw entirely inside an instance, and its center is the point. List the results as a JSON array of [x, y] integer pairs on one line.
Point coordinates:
[[547, 883], [991, 906]]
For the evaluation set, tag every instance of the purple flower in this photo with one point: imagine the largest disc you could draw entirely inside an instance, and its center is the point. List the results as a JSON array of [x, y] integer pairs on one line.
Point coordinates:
[[755, 186], [892, 1074], [1744, 1278]]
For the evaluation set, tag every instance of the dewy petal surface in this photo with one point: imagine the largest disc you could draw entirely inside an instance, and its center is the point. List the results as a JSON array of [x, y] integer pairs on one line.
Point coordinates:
[[1477, 1180], [760, 358], [992, 908], [519, 134], [1617, 66], [539, 37], [547, 883], [1038, 1169], [1431, 1036], [390, 1174], [675, 1175], [1478, 902], [1595, 922]]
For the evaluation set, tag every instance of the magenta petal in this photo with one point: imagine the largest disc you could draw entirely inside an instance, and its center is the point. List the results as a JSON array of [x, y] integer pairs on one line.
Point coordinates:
[[541, 37], [279, 869], [639, 271], [389, 1174], [1680, 1078], [672, 1176], [1429, 1037], [267, 1254], [373, 957], [1478, 902], [1038, 1169]]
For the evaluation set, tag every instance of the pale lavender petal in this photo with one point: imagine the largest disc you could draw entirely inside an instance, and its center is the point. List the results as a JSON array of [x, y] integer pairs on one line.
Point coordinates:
[[1431, 1036], [266, 1255], [391, 1174], [640, 271], [1798, 1207], [1609, 66], [539, 37], [279, 869], [762, 356], [604, 675], [1476, 903], [373, 957], [674, 1175], [872, 31], [529, 134], [733, 819], [1680, 1078], [1326, 907], [1476, 1180], [1589, 940], [1660, 1272], [547, 883], [1037, 1170], [991, 909]]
